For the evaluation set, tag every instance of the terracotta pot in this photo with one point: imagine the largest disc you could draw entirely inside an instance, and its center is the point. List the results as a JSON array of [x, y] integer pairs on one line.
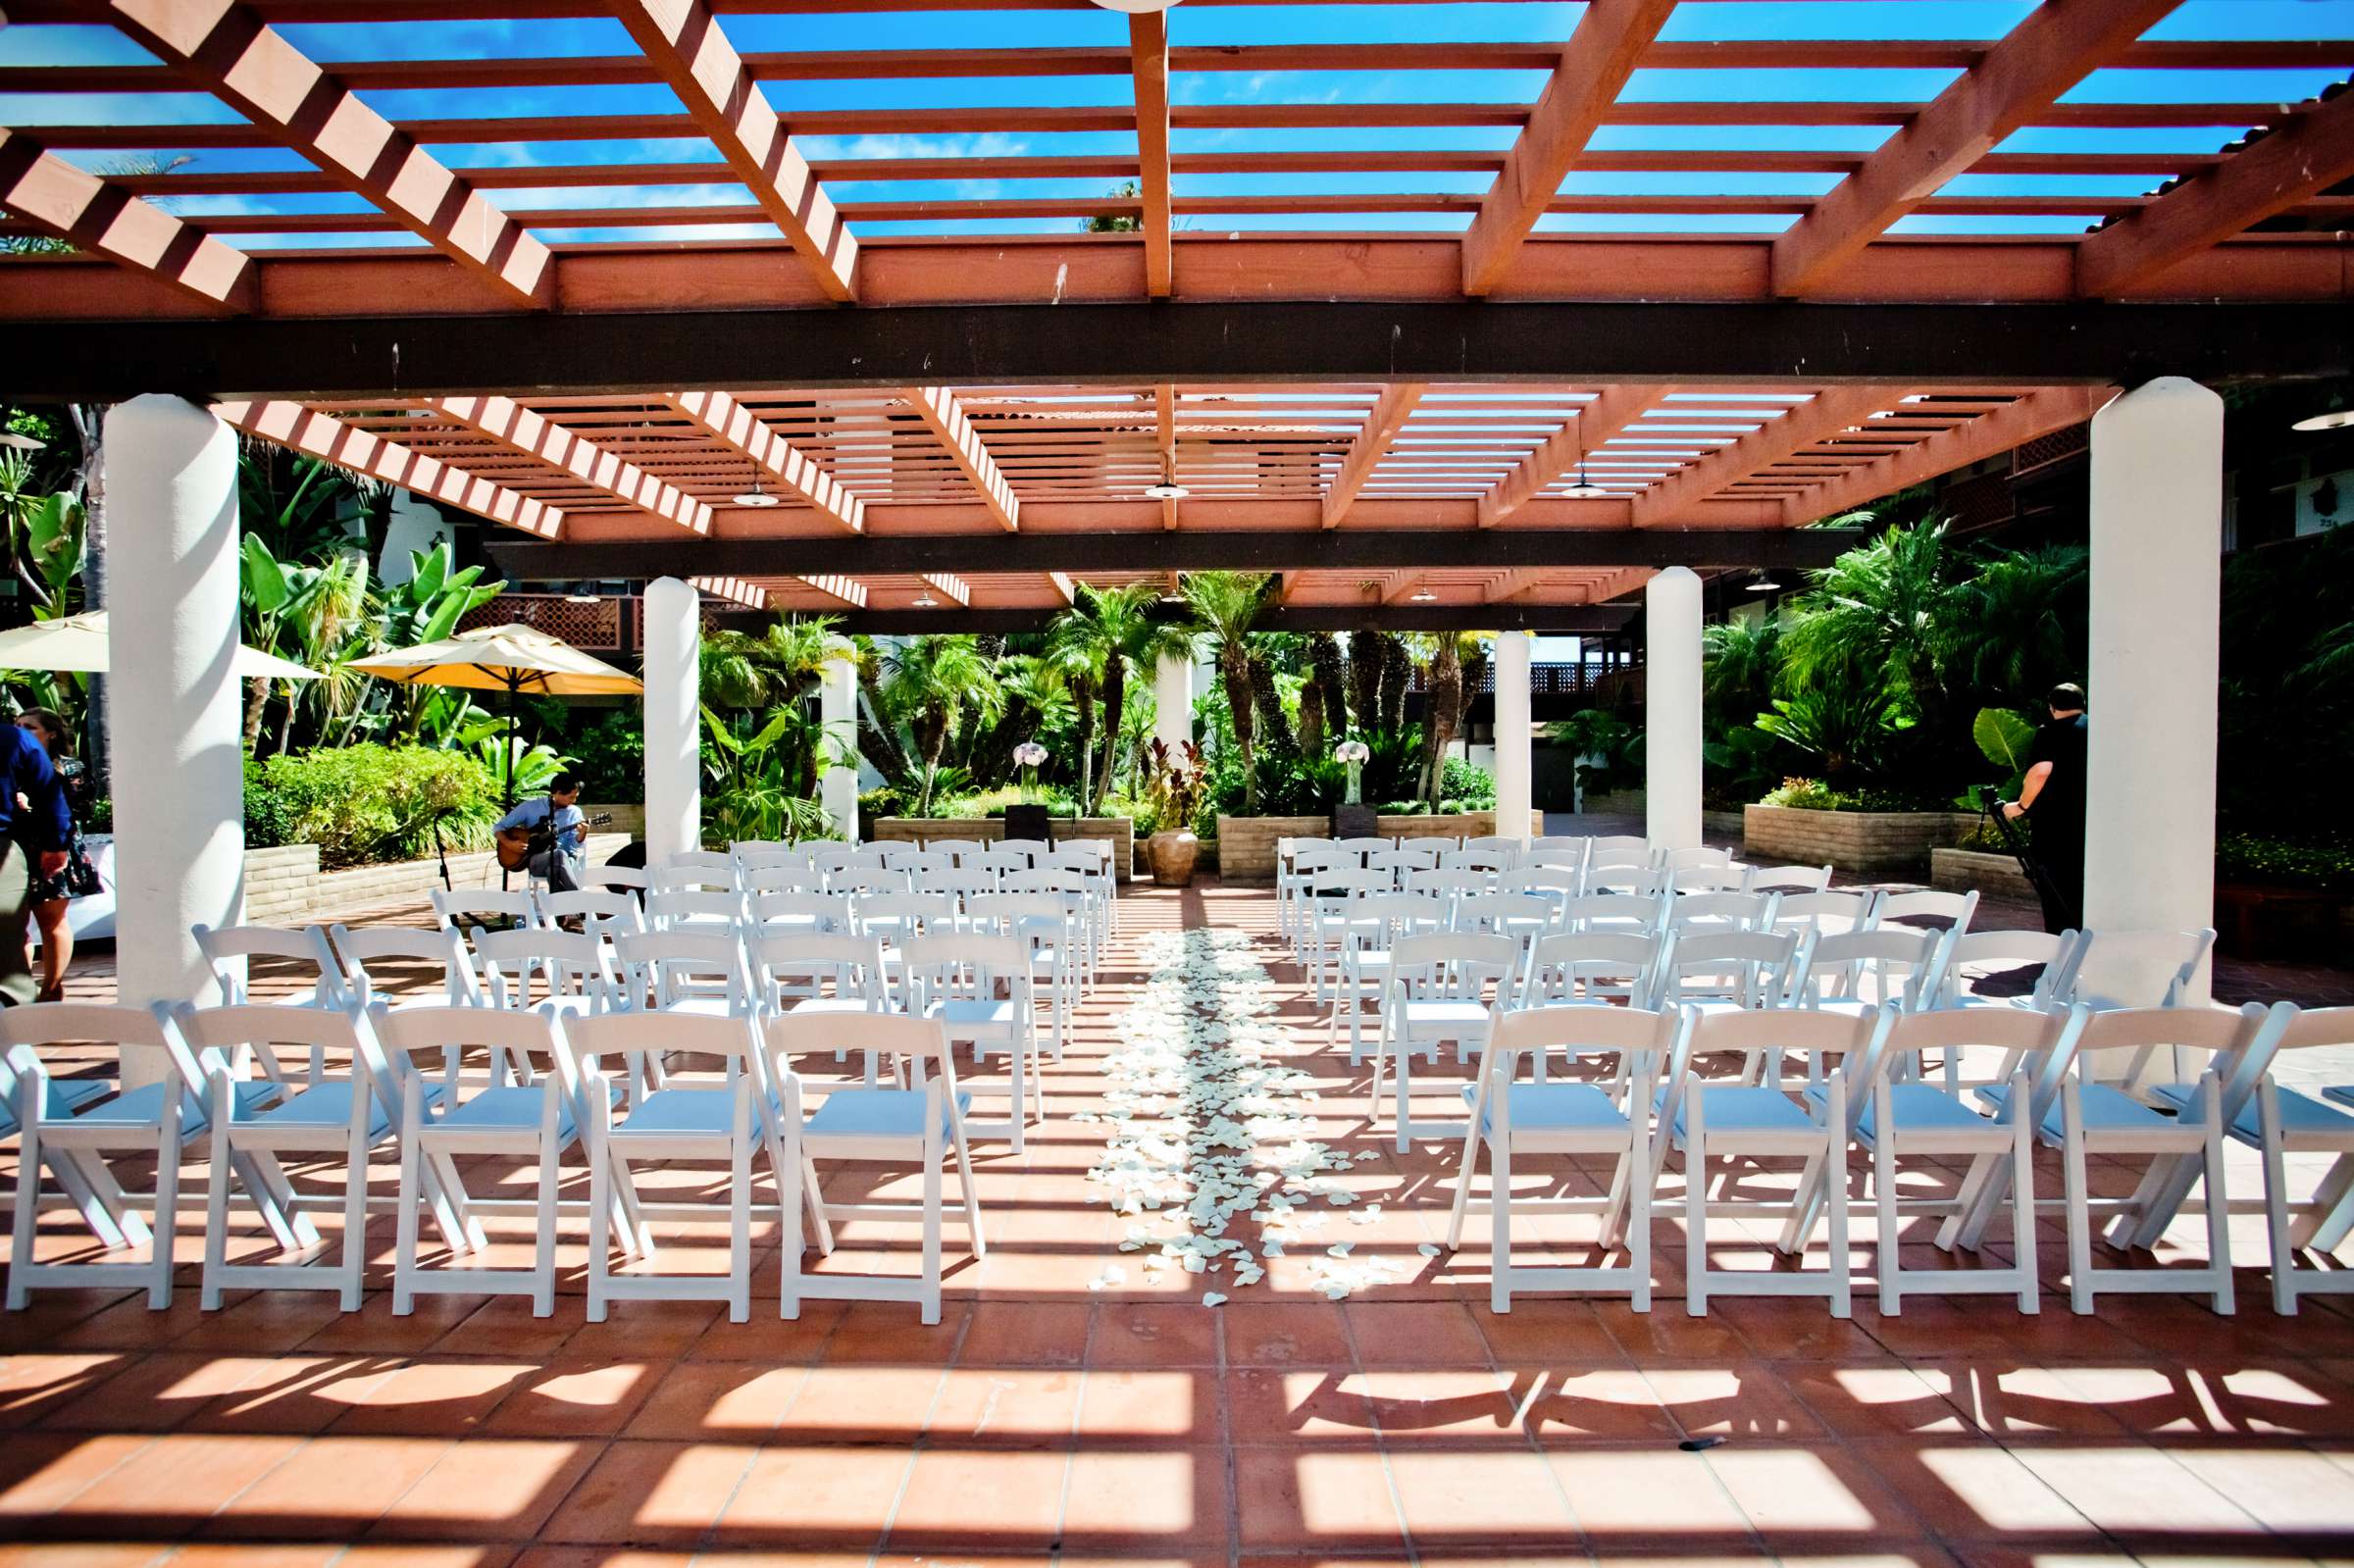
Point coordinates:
[[1172, 855]]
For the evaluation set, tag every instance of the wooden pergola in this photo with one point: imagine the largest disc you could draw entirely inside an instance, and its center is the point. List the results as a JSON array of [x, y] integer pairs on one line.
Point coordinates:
[[959, 414]]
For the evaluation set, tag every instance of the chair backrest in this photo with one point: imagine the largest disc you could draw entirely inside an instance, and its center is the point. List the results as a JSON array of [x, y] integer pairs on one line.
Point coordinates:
[[1695, 855], [782, 880], [921, 1043], [678, 966], [1826, 912], [1501, 843], [1567, 853], [1556, 883], [1632, 1043], [227, 947], [1616, 849], [1788, 879], [525, 1041], [1819, 1039], [617, 908], [1447, 882], [961, 851], [1036, 918], [745, 850], [612, 1038], [1521, 916], [567, 964], [1623, 876], [1706, 879], [918, 864], [690, 880], [1002, 861], [2142, 1031], [1753, 968], [674, 911], [1079, 854], [964, 964], [1320, 855], [1375, 921], [38, 1025], [829, 857], [705, 859], [790, 965], [1491, 861], [1461, 966], [1568, 968], [901, 914], [1971, 955], [1719, 911], [807, 911], [1634, 913], [383, 946], [471, 906], [2139, 968], [1335, 890], [2023, 1037], [234, 1033], [611, 875], [1900, 963], [1359, 847], [1955, 909], [865, 881]]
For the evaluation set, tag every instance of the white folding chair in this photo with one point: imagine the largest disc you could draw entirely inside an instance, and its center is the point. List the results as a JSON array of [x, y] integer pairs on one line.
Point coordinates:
[[534, 1114], [954, 981], [474, 906], [2138, 968], [1036, 849], [574, 971], [1569, 969], [1977, 954], [631, 878], [694, 909], [1695, 856], [1741, 971], [1695, 913], [1359, 847], [607, 909], [1296, 879], [1616, 849], [1786, 878], [375, 957], [1713, 877], [729, 1121], [1563, 853], [1764, 1120], [1373, 923], [1620, 914], [2286, 1122], [1955, 910], [673, 879], [229, 952], [1498, 844], [961, 851], [1899, 966], [820, 914], [1325, 935], [1826, 912], [1047, 923], [757, 880], [1619, 873], [1441, 988], [818, 972], [685, 972], [923, 1122], [1510, 1119], [1487, 864]]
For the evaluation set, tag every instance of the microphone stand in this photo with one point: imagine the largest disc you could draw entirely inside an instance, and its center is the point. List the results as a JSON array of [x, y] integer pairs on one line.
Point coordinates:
[[441, 854]]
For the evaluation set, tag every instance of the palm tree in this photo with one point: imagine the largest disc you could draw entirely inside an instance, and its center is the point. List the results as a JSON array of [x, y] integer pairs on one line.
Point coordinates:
[[933, 683], [1443, 709], [2018, 625], [879, 738], [1741, 666], [779, 666], [1110, 632], [1873, 620], [1226, 603]]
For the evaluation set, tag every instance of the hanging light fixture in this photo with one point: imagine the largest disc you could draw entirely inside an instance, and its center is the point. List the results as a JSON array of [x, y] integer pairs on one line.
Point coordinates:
[[1422, 596], [1765, 584], [1135, 8], [582, 593], [2337, 419], [1167, 491], [924, 600], [755, 496], [1585, 489]]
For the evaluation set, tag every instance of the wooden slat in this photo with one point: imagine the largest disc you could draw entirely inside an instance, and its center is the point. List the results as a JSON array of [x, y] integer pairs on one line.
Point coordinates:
[[512, 426], [683, 41], [735, 590], [1612, 411], [230, 52], [1596, 63], [2053, 48], [938, 408], [1149, 71], [1827, 414], [951, 585], [738, 428], [841, 590], [1164, 440], [2314, 151], [99, 216], [2038, 413], [320, 435], [1387, 418]]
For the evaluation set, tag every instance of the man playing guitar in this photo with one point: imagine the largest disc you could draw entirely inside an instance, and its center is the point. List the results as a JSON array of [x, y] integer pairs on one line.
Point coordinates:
[[549, 834]]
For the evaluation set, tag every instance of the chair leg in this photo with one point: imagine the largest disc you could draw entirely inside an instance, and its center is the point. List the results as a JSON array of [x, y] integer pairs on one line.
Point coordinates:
[[1499, 1211], [216, 1198], [2275, 1201], [355, 1210], [543, 1256], [931, 1195], [27, 1208], [2219, 1207], [1638, 1210], [2022, 1212], [1401, 1088], [600, 1203], [1462, 1190], [1834, 1181], [412, 1170], [739, 1215], [1695, 1203], [2078, 1196], [1883, 1198], [163, 1231], [789, 1196]]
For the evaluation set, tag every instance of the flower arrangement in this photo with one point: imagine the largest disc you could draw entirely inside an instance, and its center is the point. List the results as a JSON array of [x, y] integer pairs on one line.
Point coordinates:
[[1354, 753], [1177, 784], [1029, 757]]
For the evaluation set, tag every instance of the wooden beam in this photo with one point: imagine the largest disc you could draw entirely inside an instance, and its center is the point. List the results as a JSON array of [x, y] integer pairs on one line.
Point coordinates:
[[95, 215], [2037, 414], [1613, 410], [1593, 65], [944, 416], [2312, 152], [834, 585], [331, 441], [1063, 587], [1576, 620], [736, 427], [2054, 47], [511, 425], [224, 48], [953, 586], [735, 590], [1165, 425], [1398, 589], [1383, 422], [1672, 500], [683, 41], [1148, 69]]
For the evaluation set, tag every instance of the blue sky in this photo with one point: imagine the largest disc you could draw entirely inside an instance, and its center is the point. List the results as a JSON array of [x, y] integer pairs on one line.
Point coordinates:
[[1190, 26]]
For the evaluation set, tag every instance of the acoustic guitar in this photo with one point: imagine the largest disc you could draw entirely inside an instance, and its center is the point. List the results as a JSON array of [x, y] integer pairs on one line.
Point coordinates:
[[517, 846]]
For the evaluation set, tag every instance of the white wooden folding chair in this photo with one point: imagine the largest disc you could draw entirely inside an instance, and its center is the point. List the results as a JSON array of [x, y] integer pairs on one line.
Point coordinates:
[[1826, 912], [801, 877], [977, 989], [1976, 954], [1048, 925], [1899, 966], [1373, 923], [1712, 877], [1615, 846], [1561, 883], [469, 907], [922, 1122], [694, 909], [609, 875], [573, 971], [606, 909], [2133, 968], [1326, 935], [376, 957], [1036, 849], [730, 1121], [1786, 878], [72, 1136], [1693, 914], [1441, 988], [230, 950], [1085, 907], [1695, 855], [1511, 1119], [1739, 971], [1954, 910], [817, 913], [685, 972], [534, 1114], [1296, 879], [2286, 1122], [1359, 847], [1089, 860], [1486, 864], [1504, 844], [1620, 914], [1561, 851], [1764, 1120], [1618, 872], [1570, 969], [672, 879], [961, 851], [350, 1115]]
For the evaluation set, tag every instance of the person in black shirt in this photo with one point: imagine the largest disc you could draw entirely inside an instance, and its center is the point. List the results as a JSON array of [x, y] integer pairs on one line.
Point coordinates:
[[2052, 798], [33, 844]]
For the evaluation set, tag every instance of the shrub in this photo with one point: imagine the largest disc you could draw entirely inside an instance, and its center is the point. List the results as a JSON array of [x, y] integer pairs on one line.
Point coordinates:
[[1463, 786], [610, 756], [2249, 857], [1813, 794], [368, 803]]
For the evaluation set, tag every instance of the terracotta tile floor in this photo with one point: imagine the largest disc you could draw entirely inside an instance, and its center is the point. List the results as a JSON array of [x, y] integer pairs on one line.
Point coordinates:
[[1045, 1421]]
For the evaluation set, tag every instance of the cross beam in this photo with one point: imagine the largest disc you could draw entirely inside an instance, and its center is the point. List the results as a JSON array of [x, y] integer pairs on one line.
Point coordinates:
[[1367, 550], [1576, 620]]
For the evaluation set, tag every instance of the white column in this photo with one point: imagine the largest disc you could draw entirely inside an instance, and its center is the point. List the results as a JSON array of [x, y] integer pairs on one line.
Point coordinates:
[[674, 789], [1173, 702], [838, 710], [1512, 735], [2157, 579], [1671, 708], [179, 763]]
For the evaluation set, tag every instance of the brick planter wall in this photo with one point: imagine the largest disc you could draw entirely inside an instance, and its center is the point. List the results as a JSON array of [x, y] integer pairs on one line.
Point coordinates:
[[917, 830], [284, 886], [629, 816], [1246, 844], [1961, 871], [278, 883], [1852, 840]]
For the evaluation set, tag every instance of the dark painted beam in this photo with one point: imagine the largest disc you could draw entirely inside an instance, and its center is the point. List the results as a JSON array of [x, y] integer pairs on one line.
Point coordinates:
[[1562, 620], [1184, 550], [750, 350]]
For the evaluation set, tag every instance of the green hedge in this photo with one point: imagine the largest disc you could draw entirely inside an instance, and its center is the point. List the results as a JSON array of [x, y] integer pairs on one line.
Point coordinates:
[[2249, 858], [367, 804]]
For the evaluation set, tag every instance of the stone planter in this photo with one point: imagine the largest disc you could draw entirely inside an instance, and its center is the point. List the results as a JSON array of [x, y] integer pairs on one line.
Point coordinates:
[[916, 829], [1246, 844], [1173, 856], [1852, 840], [1961, 871]]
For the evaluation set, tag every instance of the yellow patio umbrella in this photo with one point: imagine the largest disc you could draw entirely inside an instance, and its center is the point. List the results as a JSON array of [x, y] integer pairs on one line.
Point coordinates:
[[512, 659], [78, 642]]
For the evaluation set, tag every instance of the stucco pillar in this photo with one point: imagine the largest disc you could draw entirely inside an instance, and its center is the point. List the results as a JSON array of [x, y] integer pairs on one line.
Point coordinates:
[[837, 711], [179, 776], [674, 789], [1173, 702], [1671, 708], [2157, 581], [1512, 735]]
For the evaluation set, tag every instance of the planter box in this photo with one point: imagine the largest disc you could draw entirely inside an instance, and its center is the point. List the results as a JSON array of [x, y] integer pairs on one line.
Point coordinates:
[[1720, 823], [918, 830], [1618, 803], [2256, 921], [629, 816], [284, 886], [1852, 840], [1246, 844], [1992, 876]]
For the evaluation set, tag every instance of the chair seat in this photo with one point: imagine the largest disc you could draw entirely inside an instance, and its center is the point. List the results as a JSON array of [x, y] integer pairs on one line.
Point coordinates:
[[144, 1106], [325, 1105], [2343, 1093], [703, 1007], [1918, 1108], [2300, 1114], [1553, 1109], [670, 1112], [2105, 1109], [513, 1109], [877, 1113], [1443, 1012], [968, 1012], [1747, 1108], [808, 1005]]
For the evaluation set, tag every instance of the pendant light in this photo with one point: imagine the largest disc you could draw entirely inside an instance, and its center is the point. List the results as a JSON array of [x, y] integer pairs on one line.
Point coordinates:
[[755, 496]]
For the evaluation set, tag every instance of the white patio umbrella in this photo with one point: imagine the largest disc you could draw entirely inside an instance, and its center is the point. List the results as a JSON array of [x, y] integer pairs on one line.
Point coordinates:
[[78, 642]]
